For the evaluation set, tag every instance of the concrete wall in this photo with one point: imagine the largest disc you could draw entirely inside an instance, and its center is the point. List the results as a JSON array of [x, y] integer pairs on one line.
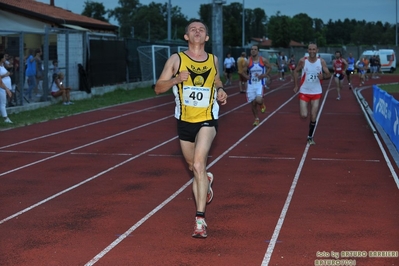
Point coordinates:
[[79, 95]]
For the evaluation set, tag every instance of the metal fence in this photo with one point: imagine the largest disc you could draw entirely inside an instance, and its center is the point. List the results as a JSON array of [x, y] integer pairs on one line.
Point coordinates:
[[103, 60]]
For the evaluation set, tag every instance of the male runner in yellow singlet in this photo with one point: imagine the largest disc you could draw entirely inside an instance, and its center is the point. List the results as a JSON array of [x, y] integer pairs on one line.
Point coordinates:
[[197, 87]]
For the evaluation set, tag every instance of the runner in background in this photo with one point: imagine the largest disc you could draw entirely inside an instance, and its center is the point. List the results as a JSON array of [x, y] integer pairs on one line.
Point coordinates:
[[339, 66], [310, 89], [291, 66], [258, 69], [350, 70], [242, 63]]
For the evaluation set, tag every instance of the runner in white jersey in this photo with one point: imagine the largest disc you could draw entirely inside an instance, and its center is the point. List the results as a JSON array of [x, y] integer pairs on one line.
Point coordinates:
[[258, 69], [310, 87]]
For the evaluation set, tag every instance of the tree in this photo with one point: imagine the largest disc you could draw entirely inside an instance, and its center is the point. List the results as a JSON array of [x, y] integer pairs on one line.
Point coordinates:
[[279, 30], [256, 19], [302, 29], [94, 10], [232, 26], [150, 22], [124, 14], [205, 13]]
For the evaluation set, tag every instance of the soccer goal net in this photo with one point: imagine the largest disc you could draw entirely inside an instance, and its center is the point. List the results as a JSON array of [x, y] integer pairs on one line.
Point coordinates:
[[152, 60]]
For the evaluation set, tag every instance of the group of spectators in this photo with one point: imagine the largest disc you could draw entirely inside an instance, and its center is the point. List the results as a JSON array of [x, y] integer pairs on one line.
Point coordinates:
[[33, 75]]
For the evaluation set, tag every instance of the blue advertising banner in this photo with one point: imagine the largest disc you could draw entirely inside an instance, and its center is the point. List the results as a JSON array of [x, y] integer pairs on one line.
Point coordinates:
[[386, 113]]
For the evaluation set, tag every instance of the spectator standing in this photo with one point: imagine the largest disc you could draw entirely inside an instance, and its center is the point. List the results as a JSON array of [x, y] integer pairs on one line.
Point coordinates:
[[373, 67], [30, 73], [54, 68], [9, 65], [5, 86], [39, 71], [377, 66], [229, 65]]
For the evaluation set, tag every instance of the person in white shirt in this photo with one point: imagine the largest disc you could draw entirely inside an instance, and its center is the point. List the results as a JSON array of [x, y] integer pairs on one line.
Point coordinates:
[[229, 65], [5, 85], [58, 89], [310, 90]]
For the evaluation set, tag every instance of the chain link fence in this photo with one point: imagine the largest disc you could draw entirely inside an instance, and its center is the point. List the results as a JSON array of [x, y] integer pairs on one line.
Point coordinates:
[[94, 59]]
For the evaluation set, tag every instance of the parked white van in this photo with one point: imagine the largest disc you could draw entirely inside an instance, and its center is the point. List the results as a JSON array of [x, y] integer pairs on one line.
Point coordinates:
[[327, 57], [387, 58]]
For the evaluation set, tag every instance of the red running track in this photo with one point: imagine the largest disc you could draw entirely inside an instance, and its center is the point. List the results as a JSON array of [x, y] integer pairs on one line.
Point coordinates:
[[110, 187]]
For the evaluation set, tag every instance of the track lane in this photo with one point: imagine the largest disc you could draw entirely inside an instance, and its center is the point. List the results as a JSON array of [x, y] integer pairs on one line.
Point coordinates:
[[239, 232]]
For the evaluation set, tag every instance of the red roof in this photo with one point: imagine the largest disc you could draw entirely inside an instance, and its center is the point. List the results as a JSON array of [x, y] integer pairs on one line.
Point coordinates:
[[265, 42], [53, 14]]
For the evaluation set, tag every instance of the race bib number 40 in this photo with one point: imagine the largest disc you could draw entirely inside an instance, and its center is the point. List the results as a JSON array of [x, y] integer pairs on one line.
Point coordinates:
[[196, 96]]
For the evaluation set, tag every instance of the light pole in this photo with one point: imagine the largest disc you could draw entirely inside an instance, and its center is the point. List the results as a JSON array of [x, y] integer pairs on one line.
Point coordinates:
[[169, 21], [217, 31], [396, 23], [243, 23]]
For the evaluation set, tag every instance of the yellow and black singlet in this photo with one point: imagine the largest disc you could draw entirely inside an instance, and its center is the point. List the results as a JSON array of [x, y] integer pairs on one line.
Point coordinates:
[[196, 97]]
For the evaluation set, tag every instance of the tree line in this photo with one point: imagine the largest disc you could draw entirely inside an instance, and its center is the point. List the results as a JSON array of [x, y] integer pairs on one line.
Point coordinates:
[[149, 22]]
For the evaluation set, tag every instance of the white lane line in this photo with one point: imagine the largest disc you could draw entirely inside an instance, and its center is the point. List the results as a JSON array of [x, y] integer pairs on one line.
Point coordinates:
[[101, 154], [84, 181], [262, 157], [82, 146], [29, 152], [170, 155], [82, 126], [279, 225], [346, 160], [166, 155], [101, 121], [376, 127], [136, 225], [103, 172], [145, 218]]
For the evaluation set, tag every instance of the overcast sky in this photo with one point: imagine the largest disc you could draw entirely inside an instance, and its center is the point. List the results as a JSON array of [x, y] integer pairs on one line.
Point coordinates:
[[368, 10]]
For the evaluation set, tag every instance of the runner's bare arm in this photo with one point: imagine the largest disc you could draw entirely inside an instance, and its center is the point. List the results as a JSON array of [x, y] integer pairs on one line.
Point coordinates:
[[221, 93], [345, 65], [167, 79], [268, 66], [325, 74], [296, 71]]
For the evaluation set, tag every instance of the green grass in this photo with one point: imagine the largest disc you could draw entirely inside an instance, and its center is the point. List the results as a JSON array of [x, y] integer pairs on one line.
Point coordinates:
[[58, 110], [390, 88]]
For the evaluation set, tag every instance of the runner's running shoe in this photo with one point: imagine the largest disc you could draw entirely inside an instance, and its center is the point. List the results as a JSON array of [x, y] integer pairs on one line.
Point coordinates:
[[200, 228], [256, 122], [311, 141], [209, 196], [263, 108]]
